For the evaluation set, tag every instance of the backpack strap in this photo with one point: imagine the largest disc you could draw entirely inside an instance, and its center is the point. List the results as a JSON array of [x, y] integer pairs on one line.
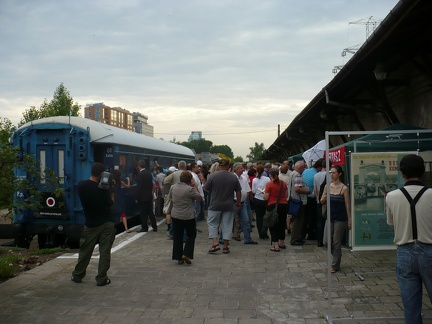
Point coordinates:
[[412, 203]]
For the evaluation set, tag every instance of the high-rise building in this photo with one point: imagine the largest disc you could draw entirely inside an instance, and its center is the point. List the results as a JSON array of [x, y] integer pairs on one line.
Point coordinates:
[[140, 124], [195, 135], [122, 118], [118, 117]]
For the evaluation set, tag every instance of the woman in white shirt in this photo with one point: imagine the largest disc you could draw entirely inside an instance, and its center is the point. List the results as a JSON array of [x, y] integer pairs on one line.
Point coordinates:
[[258, 189]]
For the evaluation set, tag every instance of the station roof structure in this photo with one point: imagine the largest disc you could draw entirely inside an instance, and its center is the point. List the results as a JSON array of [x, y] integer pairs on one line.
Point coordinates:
[[387, 81]]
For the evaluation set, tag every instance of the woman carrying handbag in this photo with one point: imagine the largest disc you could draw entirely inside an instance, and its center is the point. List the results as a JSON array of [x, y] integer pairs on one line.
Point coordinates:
[[276, 197]]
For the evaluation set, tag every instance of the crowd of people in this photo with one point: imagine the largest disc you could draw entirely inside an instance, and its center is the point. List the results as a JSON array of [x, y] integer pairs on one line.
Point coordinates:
[[236, 195]]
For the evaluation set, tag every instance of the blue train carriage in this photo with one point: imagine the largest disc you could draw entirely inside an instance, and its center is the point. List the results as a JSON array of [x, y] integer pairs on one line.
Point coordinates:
[[69, 146]]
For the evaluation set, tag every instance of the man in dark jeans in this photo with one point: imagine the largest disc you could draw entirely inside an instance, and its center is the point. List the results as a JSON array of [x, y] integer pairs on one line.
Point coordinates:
[[99, 226], [145, 196], [409, 210]]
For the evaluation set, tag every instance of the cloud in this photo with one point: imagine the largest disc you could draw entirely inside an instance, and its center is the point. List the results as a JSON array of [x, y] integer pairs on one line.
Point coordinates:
[[238, 68]]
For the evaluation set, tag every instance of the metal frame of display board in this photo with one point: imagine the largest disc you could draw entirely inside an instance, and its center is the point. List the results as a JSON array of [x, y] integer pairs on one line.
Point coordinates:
[[392, 135]]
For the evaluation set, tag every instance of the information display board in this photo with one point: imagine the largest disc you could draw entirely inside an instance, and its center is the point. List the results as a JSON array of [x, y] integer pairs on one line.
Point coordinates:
[[373, 175]]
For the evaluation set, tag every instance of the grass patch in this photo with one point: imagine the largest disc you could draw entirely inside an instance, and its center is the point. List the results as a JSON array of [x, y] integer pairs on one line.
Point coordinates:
[[9, 265], [49, 251], [15, 260]]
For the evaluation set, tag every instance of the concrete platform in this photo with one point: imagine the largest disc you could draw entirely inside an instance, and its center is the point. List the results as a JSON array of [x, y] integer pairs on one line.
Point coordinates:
[[249, 285]]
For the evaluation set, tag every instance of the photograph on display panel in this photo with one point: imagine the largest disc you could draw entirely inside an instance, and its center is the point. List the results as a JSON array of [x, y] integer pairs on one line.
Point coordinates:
[[373, 175]]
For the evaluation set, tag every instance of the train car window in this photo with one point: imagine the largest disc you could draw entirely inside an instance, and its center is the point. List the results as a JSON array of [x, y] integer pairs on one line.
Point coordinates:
[[122, 163], [61, 166], [42, 165]]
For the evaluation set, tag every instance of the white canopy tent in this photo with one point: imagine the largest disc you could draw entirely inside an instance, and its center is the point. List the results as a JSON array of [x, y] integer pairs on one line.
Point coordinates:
[[314, 153]]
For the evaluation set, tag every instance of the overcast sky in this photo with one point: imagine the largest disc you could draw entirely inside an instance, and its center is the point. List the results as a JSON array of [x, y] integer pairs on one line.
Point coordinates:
[[231, 69]]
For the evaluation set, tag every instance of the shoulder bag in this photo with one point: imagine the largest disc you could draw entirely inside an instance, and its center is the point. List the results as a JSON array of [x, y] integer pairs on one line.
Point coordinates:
[[271, 217], [168, 204]]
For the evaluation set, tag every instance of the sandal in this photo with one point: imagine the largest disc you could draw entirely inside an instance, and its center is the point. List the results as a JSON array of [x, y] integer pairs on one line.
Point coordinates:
[[333, 270], [275, 249], [186, 259], [214, 248], [282, 247], [226, 250], [128, 231]]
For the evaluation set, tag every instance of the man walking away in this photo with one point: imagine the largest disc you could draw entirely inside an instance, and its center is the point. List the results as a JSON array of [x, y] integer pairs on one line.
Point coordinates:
[[145, 196], [221, 185]]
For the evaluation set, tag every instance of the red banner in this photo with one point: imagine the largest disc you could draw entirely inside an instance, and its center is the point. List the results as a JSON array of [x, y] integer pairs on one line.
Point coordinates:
[[337, 156]]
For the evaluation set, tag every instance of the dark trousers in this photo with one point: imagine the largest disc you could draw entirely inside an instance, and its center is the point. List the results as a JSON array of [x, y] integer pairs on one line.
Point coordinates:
[[180, 226], [277, 232], [310, 223], [146, 211], [103, 235], [201, 215], [159, 206], [320, 225], [297, 225], [260, 209]]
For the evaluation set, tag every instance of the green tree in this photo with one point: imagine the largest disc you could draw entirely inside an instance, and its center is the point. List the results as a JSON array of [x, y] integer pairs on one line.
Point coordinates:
[[7, 160], [256, 152], [199, 146], [238, 159], [26, 189], [61, 105], [224, 149]]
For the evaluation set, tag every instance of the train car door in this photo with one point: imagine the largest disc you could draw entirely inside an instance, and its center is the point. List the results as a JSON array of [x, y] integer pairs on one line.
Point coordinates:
[[53, 158]]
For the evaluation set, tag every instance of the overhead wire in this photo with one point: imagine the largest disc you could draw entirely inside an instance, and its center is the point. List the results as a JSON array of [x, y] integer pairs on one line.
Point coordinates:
[[207, 134]]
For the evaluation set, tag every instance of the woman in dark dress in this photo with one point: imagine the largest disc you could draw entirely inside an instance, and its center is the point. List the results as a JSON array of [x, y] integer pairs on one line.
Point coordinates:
[[340, 215]]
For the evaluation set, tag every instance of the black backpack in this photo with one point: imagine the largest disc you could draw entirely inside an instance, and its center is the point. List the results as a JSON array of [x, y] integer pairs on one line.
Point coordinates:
[[321, 188]]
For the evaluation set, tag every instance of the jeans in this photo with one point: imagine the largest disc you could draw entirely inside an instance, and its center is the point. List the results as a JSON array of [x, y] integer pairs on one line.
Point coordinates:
[[244, 222], [413, 267], [201, 215], [249, 210]]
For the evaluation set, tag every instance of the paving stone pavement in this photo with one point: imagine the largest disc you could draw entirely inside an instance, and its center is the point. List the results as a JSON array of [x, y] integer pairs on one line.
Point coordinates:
[[249, 285]]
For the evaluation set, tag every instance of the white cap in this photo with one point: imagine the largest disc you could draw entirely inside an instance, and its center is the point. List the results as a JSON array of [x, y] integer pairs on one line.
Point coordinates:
[[172, 169], [199, 162]]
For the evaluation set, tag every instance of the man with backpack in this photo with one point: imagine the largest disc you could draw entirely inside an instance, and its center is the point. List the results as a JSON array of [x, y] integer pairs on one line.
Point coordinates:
[[409, 210]]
